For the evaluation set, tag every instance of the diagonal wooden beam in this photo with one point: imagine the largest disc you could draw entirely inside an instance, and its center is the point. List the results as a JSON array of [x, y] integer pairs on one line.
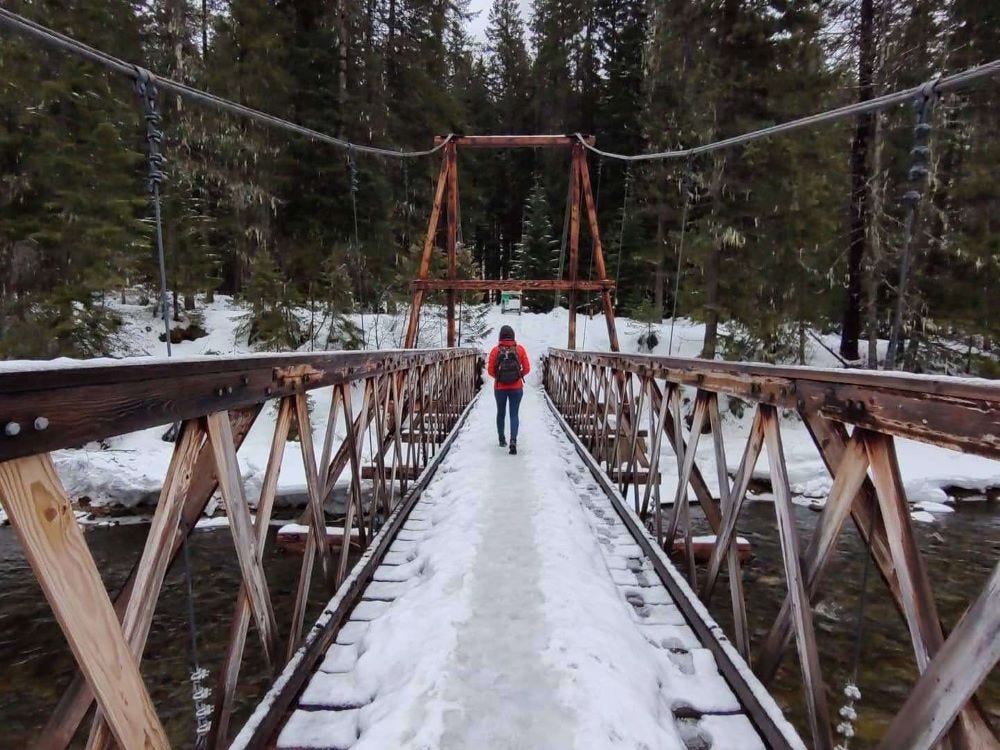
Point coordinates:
[[736, 596], [354, 505], [42, 517], [599, 265], [633, 423], [701, 491], [317, 519], [77, 698], [805, 634], [741, 482], [919, 607], [685, 464], [227, 467], [225, 690], [849, 479], [451, 240], [950, 680], [155, 557], [331, 470]]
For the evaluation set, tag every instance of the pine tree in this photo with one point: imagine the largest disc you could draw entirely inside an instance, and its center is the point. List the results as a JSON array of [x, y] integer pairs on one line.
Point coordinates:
[[538, 251], [73, 198]]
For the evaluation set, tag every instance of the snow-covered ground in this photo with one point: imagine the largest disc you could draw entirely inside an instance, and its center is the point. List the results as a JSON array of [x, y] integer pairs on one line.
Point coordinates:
[[515, 611], [128, 470]]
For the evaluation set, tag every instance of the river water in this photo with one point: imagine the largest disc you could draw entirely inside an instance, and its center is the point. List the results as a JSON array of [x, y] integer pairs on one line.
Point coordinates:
[[960, 549]]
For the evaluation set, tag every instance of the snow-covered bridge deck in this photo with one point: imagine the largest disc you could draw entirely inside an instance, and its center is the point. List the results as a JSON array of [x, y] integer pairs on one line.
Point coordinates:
[[514, 609]]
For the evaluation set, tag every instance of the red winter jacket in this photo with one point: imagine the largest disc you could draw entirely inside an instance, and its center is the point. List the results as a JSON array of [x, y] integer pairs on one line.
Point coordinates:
[[491, 366]]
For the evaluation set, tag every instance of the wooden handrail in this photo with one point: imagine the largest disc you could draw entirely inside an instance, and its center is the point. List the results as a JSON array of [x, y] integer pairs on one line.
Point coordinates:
[[961, 415], [216, 400]]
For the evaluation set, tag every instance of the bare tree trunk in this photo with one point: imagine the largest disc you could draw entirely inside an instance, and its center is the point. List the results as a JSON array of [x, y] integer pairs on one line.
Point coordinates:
[[873, 267], [860, 176], [710, 343], [342, 64], [659, 280], [713, 266]]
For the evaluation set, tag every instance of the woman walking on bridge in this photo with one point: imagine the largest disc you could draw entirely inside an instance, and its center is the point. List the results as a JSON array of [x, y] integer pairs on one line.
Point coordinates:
[[507, 365]]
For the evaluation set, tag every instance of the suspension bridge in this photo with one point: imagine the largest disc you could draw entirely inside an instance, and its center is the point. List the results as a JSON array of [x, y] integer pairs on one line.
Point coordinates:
[[552, 599]]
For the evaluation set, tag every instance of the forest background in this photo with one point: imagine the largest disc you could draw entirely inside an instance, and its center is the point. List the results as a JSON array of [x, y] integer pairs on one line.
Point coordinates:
[[781, 238]]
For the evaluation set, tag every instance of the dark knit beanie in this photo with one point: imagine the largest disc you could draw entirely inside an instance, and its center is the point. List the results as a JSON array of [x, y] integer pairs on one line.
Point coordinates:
[[506, 333]]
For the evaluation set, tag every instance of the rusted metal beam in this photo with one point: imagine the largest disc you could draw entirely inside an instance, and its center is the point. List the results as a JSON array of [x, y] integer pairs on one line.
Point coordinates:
[[574, 239], [451, 243], [413, 326], [514, 285], [513, 141], [91, 402]]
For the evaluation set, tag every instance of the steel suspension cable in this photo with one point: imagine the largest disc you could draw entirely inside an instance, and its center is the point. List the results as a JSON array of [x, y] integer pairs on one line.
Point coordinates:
[[54, 39], [936, 86]]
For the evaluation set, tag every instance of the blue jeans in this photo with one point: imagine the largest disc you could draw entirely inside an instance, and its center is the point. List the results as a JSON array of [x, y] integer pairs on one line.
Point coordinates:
[[514, 399]]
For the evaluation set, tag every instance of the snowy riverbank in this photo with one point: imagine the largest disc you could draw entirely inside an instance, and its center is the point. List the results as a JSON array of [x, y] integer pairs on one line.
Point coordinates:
[[126, 472]]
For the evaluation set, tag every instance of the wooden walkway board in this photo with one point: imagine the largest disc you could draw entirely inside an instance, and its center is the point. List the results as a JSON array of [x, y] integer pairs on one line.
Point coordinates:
[[468, 606]]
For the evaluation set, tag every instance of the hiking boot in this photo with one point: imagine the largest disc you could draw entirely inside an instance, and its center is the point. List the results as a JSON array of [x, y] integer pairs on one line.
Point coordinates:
[[513, 447], [503, 441]]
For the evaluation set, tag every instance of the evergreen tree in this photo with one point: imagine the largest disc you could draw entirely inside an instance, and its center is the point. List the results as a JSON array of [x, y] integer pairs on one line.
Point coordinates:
[[538, 251], [73, 198]]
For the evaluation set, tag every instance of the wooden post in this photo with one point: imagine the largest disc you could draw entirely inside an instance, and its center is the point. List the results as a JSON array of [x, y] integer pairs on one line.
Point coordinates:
[[599, 264], [805, 634], [53, 543], [452, 246], [231, 485], [574, 237], [413, 326]]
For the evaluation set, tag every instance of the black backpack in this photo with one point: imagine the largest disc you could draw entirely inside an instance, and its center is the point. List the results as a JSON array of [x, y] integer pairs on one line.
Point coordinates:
[[508, 365]]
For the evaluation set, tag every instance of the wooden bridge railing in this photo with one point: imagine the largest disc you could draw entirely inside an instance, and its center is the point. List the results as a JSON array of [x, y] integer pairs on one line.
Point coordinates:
[[402, 402], [623, 407]]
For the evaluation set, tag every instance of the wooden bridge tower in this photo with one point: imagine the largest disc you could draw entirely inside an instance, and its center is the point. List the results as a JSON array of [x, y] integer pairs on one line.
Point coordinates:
[[581, 200]]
